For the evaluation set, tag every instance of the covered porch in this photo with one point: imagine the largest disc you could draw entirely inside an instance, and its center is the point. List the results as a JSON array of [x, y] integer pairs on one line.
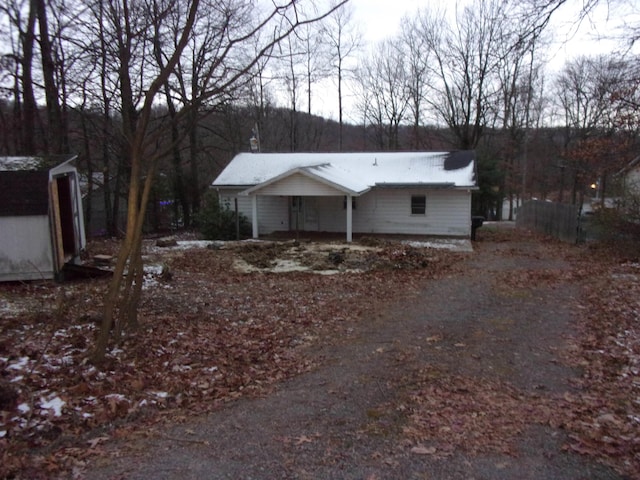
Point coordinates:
[[305, 189]]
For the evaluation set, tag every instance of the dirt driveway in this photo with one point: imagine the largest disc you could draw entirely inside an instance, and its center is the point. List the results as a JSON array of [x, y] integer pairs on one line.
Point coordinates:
[[463, 382]]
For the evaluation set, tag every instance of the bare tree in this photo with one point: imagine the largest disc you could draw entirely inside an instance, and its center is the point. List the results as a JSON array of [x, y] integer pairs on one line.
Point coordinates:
[[385, 80], [418, 58], [344, 40], [19, 20], [225, 70], [585, 89], [465, 58]]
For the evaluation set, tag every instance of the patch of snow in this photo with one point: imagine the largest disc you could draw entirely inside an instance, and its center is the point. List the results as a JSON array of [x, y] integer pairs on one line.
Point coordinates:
[[3, 433], [284, 266], [153, 269], [115, 396], [160, 394], [20, 364], [188, 244], [150, 274], [288, 266], [19, 378], [55, 404], [24, 408], [453, 244]]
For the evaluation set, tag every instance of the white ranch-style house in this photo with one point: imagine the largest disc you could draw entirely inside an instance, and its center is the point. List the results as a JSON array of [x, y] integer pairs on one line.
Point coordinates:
[[414, 193]]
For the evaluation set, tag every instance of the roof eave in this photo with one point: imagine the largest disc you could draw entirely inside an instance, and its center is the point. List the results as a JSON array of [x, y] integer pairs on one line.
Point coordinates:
[[305, 172], [442, 185]]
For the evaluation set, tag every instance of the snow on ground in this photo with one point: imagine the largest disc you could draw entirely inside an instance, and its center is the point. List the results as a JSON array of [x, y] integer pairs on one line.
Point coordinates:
[[453, 244]]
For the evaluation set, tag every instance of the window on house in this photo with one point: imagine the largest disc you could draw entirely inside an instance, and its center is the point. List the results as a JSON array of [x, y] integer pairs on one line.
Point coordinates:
[[418, 204]]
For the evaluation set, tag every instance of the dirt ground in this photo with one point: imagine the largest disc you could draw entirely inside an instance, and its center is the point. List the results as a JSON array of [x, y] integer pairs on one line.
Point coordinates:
[[467, 378]]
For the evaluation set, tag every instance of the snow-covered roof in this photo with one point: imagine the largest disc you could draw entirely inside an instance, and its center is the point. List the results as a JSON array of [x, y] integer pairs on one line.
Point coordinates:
[[12, 164], [355, 172], [34, 163]]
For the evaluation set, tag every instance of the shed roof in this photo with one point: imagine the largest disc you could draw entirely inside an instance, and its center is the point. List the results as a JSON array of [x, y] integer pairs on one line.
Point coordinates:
[[355, 172], [32, 163], [12, 164]]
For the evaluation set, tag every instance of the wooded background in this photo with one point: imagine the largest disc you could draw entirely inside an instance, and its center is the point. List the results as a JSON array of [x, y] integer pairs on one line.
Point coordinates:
[[75, 77]]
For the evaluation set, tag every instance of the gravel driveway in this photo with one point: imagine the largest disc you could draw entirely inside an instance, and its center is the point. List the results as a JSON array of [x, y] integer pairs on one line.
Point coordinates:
[[487, 327]]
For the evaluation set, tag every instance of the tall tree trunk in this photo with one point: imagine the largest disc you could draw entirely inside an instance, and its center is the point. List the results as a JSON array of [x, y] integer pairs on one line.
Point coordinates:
[[55, 125], [194, 183], [29, 110]]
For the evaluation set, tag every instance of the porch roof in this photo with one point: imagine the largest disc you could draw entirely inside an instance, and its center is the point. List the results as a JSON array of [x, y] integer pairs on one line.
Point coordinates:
[[327, 174]]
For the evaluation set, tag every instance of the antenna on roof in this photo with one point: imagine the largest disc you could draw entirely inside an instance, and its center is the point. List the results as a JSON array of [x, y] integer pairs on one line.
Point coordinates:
[[254, 141], [375, 161]]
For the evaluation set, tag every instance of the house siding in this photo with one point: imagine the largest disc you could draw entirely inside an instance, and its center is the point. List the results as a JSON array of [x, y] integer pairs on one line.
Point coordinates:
[[26, 255], [386, 211], [299, 185], [447, 213], [273, 211], [389, 211]]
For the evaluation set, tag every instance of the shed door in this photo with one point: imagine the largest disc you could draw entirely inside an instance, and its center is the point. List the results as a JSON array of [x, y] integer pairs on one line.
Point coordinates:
[[65, 219]]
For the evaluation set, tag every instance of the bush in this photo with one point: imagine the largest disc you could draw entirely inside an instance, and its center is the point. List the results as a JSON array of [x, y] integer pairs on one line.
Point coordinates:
[[615, 230], [217, 223]]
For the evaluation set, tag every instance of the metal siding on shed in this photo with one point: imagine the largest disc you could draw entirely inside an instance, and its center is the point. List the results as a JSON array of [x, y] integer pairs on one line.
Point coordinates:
[[27, 255]]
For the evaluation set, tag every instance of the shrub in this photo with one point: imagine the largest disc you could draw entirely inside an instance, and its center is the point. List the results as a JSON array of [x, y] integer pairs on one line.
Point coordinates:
[[217, 223]]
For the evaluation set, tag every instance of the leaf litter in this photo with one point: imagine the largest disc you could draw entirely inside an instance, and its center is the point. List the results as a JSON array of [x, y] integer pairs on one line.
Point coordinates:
[[211, 333]]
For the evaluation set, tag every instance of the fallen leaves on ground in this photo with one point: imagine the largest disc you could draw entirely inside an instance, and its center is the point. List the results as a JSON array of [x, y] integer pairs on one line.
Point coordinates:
[[600, 415], [446, 412], [208, 334], [604, 420]]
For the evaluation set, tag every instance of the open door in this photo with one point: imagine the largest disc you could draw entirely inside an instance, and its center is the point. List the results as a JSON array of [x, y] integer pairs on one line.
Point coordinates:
[[65, 219]]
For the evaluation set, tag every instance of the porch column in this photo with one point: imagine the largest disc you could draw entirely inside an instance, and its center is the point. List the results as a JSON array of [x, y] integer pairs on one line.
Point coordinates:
[[254, 215], [349, 219]]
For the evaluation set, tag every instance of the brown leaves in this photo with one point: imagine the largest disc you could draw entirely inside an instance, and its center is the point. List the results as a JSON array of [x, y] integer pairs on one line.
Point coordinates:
[[453, 412], [210, 335], [605, 419]]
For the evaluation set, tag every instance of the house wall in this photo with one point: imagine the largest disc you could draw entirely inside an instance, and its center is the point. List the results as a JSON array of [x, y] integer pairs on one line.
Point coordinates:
[[387, 211], [273, 211], [298, 185], [25, 248]]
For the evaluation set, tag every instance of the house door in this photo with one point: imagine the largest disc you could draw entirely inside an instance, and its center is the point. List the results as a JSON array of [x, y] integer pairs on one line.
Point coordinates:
[[303, 214]]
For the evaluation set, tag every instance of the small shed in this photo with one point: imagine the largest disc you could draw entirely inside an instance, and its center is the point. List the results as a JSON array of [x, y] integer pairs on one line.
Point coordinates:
[[41, 221], [419, 193]]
